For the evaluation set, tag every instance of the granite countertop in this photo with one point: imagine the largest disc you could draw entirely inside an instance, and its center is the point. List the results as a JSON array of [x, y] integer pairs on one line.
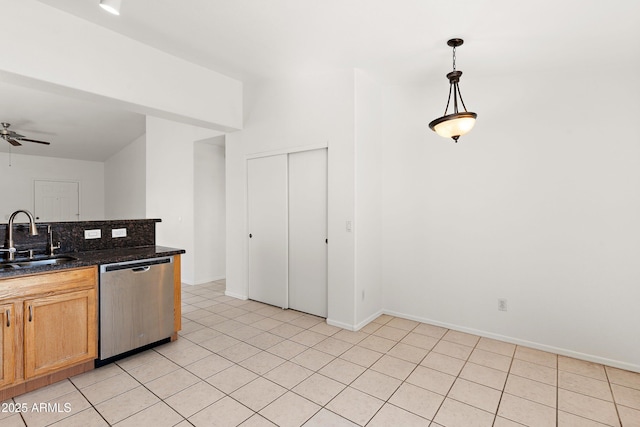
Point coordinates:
[[90, 258]]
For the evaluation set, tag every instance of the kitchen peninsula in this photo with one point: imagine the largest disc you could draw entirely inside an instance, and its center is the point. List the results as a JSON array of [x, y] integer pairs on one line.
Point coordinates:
[[50, 295]]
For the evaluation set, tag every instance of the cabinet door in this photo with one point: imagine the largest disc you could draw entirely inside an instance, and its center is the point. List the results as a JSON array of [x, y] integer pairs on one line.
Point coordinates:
[[7, 343], [60, 331]]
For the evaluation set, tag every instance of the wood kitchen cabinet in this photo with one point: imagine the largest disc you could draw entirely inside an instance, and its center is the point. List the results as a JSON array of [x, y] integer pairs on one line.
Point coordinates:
[[7, 338], [52, 332], [59, 331]]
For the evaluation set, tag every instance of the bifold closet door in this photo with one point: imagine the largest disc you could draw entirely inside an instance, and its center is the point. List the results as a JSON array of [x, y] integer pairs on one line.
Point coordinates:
[[268, 229], [308, 232]]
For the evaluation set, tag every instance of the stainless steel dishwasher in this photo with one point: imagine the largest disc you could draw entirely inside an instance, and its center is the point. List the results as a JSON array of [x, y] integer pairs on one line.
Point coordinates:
[[136, 306]]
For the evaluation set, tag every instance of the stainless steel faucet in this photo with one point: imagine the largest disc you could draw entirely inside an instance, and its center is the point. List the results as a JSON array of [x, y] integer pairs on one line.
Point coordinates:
[[33, 231], [52, 247]]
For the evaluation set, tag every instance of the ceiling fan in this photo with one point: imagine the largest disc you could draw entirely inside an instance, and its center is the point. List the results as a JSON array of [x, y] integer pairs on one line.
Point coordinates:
[[14, 138]]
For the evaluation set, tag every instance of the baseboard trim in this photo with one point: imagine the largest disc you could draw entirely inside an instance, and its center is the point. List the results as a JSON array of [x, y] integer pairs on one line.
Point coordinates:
[[538, 346], [234, 295], [368, 320], [342, 325], [210, 279]]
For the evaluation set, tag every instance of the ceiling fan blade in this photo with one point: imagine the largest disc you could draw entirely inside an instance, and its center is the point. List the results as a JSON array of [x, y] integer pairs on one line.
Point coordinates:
[[13, 134], [13, 142], [35, 140]]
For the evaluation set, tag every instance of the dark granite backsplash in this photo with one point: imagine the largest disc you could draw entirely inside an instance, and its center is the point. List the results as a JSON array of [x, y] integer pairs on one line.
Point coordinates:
[[140, 233]]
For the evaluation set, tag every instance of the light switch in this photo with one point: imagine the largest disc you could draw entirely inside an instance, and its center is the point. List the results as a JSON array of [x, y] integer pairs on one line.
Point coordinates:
[[349, 226], [119, 232], [92, 234]]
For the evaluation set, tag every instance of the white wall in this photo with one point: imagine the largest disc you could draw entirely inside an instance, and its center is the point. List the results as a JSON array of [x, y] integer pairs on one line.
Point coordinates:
[[125, 182], [368, 197], [16, 185], [90, 62], [209, 206], [112, 69], [538, 205], [304, 111], [170, 185]]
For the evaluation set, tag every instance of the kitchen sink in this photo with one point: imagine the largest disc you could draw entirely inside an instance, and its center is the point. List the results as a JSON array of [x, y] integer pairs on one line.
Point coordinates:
[[30, 263]]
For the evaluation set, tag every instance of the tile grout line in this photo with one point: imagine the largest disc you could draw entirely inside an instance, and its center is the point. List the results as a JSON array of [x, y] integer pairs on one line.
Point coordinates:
[[140, 384], [557, 391], [275, 367], [348, 385], [558, 388], [613, 396], [401, 382], [466, 361], [321, 407], [88, 401], [334, 357], [502, 392], [205, 380], [475, 346]]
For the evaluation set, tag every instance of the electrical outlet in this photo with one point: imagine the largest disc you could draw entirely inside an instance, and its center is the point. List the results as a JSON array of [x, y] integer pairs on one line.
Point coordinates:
[[502, 304], [92, 234], [118, 232]]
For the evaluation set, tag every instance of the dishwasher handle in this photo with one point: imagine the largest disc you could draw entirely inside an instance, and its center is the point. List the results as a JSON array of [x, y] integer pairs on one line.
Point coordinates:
[[135, 265], [141, 269]]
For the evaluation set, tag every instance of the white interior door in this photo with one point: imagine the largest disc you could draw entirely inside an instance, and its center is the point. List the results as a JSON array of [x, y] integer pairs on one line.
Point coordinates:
[[268, 229], [56, 200], [308, 231]]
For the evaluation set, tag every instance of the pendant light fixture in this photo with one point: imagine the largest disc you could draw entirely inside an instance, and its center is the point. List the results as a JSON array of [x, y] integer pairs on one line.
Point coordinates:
[[111, 6], [458, 123]]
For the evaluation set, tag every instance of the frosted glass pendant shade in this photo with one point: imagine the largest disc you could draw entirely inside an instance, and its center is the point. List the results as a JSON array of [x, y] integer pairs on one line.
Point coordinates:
[[454, 125], [111, 6]]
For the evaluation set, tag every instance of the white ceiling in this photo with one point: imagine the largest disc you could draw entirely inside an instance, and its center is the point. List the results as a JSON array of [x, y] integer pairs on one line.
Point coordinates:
[[76, 129], [400, 41]]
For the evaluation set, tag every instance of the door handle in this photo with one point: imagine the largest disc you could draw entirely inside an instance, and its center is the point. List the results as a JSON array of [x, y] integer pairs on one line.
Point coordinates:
[[8, 314], [30, 314]]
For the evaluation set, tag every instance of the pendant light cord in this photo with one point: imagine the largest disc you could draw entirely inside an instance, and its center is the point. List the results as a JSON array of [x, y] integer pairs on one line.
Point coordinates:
[[455, 90]]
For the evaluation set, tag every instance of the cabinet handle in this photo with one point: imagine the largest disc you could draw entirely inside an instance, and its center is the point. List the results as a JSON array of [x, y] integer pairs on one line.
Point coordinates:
[[8, 313], [30, 314]]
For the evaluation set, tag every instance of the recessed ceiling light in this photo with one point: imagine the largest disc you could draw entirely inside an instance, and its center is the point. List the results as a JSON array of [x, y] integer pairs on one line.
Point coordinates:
[[111, 6]]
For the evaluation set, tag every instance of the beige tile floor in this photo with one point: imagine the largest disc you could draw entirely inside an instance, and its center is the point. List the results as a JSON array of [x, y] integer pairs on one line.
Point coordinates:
[[246, 363]]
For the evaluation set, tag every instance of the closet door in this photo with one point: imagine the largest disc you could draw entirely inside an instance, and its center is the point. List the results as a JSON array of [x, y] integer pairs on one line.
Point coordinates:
[[268, 229], [308, 231]]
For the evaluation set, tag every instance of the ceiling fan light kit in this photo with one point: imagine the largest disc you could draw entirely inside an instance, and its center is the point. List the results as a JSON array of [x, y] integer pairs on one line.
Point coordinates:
[[14, 138], [111, 6], [458, 123]]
